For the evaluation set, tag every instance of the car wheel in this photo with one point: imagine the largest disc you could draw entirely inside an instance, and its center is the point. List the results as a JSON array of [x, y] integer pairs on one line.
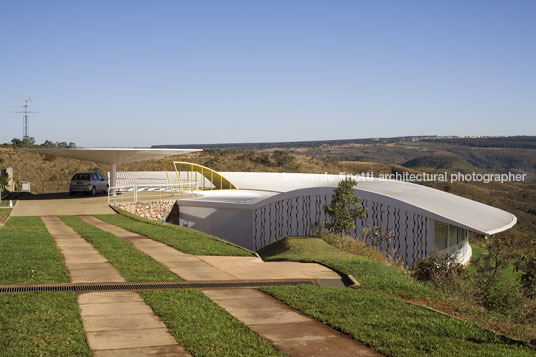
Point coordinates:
[[93, 191]]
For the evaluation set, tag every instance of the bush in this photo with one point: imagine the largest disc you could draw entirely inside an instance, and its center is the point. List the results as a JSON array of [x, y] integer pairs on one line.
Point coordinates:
[[493, 289], [497, 294], [528, 276], [442, 270]]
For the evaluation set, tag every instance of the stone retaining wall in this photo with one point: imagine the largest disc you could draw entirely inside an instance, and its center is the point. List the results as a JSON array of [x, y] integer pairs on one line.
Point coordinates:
[[151, 210]]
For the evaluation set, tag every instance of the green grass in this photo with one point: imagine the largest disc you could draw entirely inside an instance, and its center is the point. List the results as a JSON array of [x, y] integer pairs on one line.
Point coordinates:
[[28, 254], [204, 328], [131, 263], [184, 239], [371, 275], [41, 324], [5, 212], [5, 203], [393, 327], [373, 313]]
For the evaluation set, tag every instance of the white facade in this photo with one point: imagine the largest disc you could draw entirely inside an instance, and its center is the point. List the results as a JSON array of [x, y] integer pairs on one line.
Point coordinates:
[[270, 206]]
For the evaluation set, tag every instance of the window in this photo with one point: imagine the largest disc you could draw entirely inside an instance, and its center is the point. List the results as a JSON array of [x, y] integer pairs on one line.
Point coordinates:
[[449, 236], [462, 235], [440, 234], [81, 177]]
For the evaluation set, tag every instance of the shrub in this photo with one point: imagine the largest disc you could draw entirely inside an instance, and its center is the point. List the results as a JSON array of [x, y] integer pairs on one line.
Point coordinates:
[[528, 276], [442, 270], [494, 289]]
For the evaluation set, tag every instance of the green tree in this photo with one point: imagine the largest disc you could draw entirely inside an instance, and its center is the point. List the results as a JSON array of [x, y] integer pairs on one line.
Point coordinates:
[[493, 289], [4, 180], [344, 208]]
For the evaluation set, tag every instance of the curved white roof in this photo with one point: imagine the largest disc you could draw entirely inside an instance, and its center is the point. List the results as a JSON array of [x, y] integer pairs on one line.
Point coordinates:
[[111, 155], [258, 189]]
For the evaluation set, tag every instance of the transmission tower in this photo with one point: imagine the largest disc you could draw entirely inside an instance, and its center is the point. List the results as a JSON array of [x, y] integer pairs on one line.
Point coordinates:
[[25, 118]]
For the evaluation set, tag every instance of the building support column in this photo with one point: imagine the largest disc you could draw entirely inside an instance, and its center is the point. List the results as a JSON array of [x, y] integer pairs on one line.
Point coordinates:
[[113, 178]]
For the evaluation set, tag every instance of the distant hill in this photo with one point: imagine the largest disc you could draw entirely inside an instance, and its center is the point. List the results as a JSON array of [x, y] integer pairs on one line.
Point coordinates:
[[519, 142], [440, 162], [294, 144]]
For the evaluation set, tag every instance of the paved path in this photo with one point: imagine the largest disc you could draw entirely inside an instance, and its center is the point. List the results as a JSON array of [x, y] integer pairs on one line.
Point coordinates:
[[116, 323], [60, 204], [195, 267], [122, 324], [84, 263], [288, 330]]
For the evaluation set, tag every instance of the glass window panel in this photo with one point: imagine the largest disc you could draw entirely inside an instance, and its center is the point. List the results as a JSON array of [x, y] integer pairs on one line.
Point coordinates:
[[462, 234], [453, 236], [440, 235]]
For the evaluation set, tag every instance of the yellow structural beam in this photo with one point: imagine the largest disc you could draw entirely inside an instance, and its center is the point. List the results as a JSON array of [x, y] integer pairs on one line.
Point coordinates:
[[197, 177]]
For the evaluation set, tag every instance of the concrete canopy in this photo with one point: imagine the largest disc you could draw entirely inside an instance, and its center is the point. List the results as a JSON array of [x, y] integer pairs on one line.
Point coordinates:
[[111, 156]]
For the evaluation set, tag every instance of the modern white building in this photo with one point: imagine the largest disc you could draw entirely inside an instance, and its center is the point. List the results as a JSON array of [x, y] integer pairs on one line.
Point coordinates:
[[270, 206], [260, 208]]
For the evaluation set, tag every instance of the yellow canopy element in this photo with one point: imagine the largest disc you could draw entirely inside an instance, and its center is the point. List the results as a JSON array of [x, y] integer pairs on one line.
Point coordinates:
[[193, 177]]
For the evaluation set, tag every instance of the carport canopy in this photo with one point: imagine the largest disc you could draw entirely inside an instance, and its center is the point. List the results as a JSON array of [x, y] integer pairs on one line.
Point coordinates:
[[111, 156]]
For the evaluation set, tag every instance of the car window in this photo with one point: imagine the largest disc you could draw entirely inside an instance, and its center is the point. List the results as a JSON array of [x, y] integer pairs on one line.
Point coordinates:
[[94, 177], [81, 177]]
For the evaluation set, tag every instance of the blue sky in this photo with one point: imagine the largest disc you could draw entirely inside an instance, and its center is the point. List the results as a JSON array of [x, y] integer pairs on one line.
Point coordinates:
[[137, 73]]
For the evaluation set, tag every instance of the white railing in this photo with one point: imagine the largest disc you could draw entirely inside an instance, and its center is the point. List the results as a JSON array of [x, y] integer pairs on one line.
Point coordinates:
[[153, 192]]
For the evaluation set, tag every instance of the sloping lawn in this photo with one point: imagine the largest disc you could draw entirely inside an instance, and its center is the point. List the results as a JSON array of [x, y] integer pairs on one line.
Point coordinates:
[[41, 324], [184, 239], [371, 275], [373, 314], [131, 263], [28, 254], [392, 327], [204, 328]]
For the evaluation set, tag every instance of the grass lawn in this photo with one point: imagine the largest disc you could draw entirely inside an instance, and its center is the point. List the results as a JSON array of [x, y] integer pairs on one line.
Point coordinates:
[[41, 324], [371, 275], [5, 203], [131, 263], [204, 328], [184, 239], [4, 215], [4, 212], [373, 313], [28, 254], [393, 327]]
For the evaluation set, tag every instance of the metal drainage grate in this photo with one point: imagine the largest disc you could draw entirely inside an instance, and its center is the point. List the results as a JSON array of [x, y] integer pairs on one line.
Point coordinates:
[[147, 286]]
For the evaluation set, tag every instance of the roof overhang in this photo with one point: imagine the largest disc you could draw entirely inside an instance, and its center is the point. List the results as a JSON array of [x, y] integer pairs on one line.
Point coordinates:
[[111, 155], [426, 201]]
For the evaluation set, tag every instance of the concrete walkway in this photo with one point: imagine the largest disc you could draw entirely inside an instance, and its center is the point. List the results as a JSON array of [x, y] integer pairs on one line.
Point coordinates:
[[289, 331], [59, 204], [195, 267], [83, 262], [122, 324], [116, 323]]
